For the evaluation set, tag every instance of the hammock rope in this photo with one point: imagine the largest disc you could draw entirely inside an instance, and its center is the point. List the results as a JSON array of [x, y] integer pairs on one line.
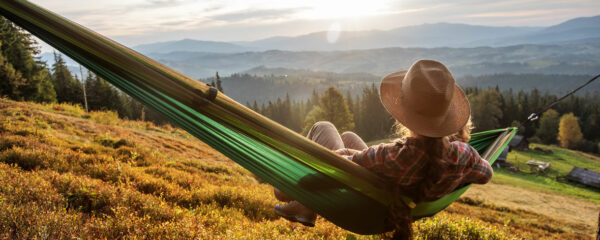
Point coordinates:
[[359, 201]]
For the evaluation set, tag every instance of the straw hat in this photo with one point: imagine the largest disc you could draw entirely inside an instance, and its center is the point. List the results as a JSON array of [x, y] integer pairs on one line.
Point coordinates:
[[425, 99]]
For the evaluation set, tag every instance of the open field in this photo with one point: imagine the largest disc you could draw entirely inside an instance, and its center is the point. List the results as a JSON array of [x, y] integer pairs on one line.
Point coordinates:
[[68, 174]]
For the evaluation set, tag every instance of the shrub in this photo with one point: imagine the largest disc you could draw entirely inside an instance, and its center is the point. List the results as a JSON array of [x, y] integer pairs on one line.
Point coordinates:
[[65, 108], [444, 228], [587, 146], [10, 141], [27, 159], [123, 142], [105, 117], [534, 139], [84, 194]]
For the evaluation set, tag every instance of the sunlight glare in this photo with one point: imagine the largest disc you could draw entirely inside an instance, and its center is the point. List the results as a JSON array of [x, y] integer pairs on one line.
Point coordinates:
[[334, 33]]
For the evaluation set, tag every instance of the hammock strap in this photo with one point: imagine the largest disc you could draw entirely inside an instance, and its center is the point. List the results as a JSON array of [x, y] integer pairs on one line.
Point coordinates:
[[535, 116]]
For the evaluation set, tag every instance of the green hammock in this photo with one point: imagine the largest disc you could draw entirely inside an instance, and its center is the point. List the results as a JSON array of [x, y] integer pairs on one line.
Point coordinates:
[[357, 199]]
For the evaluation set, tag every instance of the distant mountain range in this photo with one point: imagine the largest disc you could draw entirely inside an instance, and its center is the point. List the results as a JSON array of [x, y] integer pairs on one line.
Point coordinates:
[[546, 59], [190, 45], [426, 35], [572, 47]]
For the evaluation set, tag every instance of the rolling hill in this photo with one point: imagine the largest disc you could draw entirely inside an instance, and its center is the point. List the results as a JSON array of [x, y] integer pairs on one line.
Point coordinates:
[[68, 174], [264, 84], [191, 45], [546, 59]]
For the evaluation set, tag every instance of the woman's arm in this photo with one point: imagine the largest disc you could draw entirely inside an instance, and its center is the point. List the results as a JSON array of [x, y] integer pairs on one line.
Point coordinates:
[[478, 170]]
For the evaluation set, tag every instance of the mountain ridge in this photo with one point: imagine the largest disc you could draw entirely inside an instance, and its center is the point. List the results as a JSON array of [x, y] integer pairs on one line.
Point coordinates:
[[428, 35]]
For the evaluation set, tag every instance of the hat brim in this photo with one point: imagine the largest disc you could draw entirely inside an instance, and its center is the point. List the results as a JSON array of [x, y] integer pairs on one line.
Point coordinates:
[[456, 116]]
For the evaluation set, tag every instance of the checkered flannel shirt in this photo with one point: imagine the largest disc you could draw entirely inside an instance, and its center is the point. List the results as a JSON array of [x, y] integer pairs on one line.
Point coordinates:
[[400, 162]]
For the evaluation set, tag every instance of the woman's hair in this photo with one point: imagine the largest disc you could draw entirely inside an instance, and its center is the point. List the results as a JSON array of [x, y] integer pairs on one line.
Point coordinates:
[[434, 167], [464, 134]]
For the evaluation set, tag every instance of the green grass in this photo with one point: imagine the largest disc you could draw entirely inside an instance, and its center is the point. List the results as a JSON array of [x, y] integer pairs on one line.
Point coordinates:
[[562, 161], [545, 184]]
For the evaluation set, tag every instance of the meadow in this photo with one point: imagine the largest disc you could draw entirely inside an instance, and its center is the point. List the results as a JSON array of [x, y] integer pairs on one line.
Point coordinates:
[[67, 174]]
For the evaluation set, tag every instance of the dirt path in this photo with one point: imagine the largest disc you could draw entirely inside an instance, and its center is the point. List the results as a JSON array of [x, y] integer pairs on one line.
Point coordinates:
[[568, 209]]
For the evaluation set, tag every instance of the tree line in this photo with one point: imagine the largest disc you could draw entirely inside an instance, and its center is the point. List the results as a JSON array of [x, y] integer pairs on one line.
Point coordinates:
[[25, 78], [573, 122]]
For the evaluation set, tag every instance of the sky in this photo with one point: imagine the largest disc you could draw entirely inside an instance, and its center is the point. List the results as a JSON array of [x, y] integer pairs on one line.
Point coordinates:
[[134, 22]]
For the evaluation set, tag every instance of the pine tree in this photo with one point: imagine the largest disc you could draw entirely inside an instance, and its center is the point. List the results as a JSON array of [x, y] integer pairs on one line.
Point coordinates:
[[548, 129], [219, 86], [486, 109], [10, 79], [102, 95], [374, 122], [19, 49], [350, 102], [255, 107], [67, 88], [333, 108], [569, 133], [591, 126]]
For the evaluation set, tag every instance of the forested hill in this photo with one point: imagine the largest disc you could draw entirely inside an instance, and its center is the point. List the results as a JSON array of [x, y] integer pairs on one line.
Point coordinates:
[[264, 84], [544, 59]]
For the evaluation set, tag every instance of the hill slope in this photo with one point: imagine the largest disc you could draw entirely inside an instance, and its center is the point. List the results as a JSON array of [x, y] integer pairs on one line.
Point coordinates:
[[546, 59], [67, 174], [191, 45]]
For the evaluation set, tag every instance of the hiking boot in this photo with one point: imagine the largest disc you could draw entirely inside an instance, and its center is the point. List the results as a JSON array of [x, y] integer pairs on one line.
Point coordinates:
[[296, 212], [281, 196]]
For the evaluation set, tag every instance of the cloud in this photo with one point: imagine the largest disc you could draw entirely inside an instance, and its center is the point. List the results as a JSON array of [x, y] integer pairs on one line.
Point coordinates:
[[142, 21], [259, 14]]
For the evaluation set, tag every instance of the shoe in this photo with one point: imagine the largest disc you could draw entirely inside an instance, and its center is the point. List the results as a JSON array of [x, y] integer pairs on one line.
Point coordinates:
[[281, 196], [296, 212]]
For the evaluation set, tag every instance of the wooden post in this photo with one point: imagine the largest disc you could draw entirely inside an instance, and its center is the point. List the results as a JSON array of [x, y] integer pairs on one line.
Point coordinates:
[[83, 86]]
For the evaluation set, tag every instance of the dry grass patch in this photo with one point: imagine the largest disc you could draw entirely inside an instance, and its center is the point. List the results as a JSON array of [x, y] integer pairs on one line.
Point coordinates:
[[577, 214]]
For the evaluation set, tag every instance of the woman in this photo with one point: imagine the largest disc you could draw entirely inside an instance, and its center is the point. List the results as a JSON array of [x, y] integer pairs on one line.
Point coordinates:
[[424, 165]]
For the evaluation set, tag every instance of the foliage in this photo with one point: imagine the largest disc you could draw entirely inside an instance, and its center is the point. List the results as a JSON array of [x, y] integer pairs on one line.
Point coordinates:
[[12, 80], [548, 129], [562, 162], [569, 133], [19, 49], [373, 121], [486, 109], [104, 117], [312, 117], [67, 88], [464, 228], [333, 108]]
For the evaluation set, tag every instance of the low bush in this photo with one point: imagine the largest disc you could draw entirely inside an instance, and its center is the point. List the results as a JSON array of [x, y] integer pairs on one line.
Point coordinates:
[[28, 159], [445, 228], [105, 117]]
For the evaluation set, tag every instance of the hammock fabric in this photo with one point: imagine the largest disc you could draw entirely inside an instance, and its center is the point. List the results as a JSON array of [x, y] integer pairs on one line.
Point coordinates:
[[357, 201]]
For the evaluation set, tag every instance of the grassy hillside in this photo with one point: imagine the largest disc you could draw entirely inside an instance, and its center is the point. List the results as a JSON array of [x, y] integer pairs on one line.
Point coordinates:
[[67, 174], [561, 160]]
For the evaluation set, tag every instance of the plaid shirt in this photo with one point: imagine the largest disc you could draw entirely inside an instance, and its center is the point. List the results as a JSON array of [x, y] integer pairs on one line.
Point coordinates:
[[400, 162]]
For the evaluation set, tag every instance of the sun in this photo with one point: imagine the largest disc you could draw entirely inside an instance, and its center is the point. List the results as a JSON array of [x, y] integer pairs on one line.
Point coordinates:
[[336, 9]]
